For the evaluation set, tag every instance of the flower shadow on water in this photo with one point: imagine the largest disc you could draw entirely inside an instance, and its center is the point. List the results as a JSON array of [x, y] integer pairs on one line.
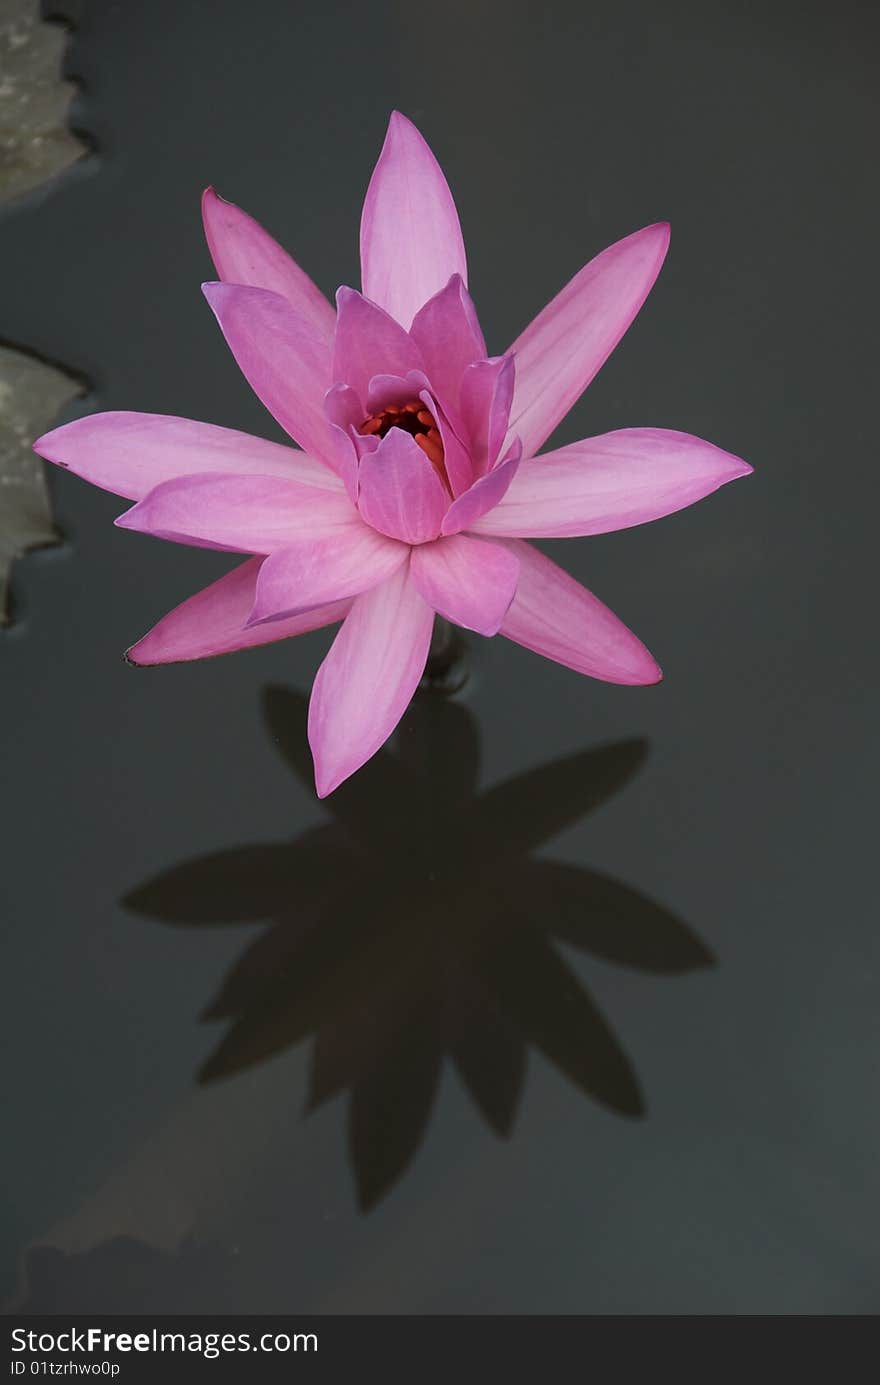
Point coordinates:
[[416, 926]]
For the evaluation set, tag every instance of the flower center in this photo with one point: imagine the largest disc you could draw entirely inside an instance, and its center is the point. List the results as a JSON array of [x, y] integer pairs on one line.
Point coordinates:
[[414, 419]]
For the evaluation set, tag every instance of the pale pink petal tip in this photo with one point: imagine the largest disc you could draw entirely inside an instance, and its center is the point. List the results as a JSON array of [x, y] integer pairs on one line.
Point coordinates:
[[609, 482], [560, 352], [410, 240], [130, 453], [212, 622], [242, 513], [244, 253], [555, 616], [738, 468]]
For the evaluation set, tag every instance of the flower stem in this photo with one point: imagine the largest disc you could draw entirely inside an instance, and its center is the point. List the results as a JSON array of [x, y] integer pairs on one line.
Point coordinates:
[[446, 669]]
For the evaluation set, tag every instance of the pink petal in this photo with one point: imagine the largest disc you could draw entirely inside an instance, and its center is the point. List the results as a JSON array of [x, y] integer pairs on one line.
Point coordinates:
[[559, 353], [469, 581], [488, 491], [410, 237], [554, 615], [447, 331], [315, 571], [344, 411], [368, 342], [401, 494], [394, 389], [456, 457], [245, 514], [486, 396], [366, 681], [610, 482], [243, 253], [213, 622], [284, 360], [129, 453]]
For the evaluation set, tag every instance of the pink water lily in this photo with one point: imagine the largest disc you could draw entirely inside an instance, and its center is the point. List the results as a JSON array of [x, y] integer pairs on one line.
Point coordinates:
[[418, 480]]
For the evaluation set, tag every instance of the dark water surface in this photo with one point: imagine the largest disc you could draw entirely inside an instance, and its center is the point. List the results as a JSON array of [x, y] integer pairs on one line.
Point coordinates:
[[568, 1003]]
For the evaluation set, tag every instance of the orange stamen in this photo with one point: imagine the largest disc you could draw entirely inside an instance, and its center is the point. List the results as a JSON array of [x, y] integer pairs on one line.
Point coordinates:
[[413, 418], [431, 446]]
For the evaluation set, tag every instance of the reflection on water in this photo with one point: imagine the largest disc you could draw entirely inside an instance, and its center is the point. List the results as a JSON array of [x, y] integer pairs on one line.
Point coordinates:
[[123, 1275], [416, 926]]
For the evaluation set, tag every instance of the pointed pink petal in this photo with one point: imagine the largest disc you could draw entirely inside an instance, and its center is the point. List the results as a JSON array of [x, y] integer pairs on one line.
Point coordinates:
[[469, 581], [366, 681], [401, 494], [559, 353], [369, 342], [243, 253], [284, 360], [245, 514], [486, 396], [410, 237], [554, 615], [213, 622], [447, 331], [610, 482], [315, 571], [483, 494], [130, 453]]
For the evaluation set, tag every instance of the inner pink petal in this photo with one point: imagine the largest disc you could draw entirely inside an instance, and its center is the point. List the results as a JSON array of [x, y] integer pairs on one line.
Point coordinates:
[[447, 332], [486, 396], [368, 342], [401, 492]]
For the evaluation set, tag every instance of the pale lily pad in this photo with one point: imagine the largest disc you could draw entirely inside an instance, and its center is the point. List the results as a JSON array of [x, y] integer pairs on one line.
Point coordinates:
[[31, 395], [35, 144]]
